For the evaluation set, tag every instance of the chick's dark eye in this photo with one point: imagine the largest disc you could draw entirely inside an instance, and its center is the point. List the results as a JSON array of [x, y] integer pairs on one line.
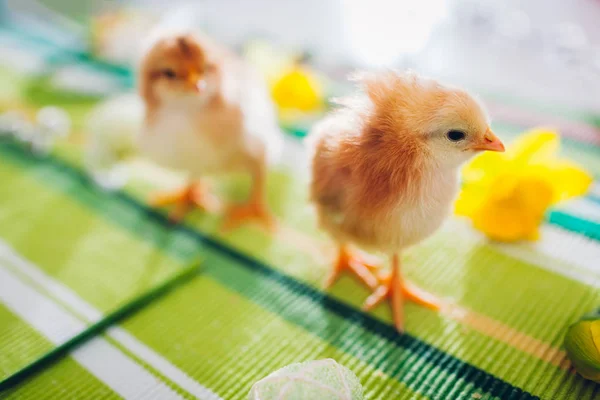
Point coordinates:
[[169, 73], [456, 136]]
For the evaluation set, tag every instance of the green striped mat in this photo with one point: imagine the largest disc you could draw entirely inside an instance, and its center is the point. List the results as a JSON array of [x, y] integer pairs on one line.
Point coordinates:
[[72, 254]]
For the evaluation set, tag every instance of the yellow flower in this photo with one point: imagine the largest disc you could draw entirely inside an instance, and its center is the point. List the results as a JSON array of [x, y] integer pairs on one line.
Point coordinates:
[[506, 195], [295, 87], [298, 89]]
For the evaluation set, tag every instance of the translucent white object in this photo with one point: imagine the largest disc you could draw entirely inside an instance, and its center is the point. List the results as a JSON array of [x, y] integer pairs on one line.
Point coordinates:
[[11, 122], [23, 130], [112, 129], [110, 179], [322, 380], [104, 165], [41, 141], [55, 120], [7, 122], [114, 124]]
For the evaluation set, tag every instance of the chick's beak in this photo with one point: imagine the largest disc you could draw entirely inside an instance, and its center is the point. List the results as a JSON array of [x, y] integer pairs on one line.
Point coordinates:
[[196, 83], [490, 142]]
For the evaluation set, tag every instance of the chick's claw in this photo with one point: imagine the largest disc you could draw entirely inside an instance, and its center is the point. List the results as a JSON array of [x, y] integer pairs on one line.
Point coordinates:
[[391, 289], [397, 291], [349, 261], [409, 291], [185, 199], [420, 297], [253, 211]]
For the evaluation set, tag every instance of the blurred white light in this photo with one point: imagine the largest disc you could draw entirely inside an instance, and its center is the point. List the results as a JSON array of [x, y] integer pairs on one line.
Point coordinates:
[[570, 35], [378, 32], [515, 25], [55, 120]]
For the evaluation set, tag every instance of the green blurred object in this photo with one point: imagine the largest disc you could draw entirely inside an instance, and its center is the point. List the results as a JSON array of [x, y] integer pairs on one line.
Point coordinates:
[[583, 346], [40, 91]]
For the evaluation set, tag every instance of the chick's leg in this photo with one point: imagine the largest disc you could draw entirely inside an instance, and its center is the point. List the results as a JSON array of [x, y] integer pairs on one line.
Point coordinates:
[[193, 195], [256, 207], [394, 288], [348, 261]]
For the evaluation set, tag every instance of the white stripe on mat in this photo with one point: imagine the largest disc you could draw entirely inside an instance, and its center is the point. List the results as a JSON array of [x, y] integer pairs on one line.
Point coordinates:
[[102, 359], [559, 251], [68, 297], [595, 189], [583, 208]]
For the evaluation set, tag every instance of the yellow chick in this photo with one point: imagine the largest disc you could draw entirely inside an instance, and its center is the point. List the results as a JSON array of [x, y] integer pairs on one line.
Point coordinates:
[[207, 112], [507, 195], [385, 173]]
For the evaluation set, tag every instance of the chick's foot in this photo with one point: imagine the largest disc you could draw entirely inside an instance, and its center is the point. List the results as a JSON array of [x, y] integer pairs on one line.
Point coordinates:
[[396, 290], [355, 264], [185, 199], [253, 211]]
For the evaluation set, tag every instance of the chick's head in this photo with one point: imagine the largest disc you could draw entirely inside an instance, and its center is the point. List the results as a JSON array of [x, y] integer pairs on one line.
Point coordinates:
[[176, 68], [459, 129], [447, 124]]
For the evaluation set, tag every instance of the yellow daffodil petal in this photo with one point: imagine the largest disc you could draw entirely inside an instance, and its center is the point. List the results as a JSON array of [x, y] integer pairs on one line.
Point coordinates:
[[505, 223], [537, 145], [569, 180], [468, 201], [535, 194], [484, 167], [507, 195], [513, 208], [504, 186], [533, 235]]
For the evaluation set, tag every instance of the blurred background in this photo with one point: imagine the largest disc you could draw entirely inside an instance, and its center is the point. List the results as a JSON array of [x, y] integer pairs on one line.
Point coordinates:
[[547, 51], [534, 64]]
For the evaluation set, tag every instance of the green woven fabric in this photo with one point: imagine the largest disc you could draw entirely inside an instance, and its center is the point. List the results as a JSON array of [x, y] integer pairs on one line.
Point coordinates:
[[74, 254], [258, 305]]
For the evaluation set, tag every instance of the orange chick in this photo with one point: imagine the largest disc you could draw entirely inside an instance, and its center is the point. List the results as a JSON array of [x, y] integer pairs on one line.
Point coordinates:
[[385, 173], [207, 113]]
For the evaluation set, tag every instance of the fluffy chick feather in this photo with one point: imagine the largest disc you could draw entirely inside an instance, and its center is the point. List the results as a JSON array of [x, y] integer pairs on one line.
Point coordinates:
[[207, 112], [385, 165]]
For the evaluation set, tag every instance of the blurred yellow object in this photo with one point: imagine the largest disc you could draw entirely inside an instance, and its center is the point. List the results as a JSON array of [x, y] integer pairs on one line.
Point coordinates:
[[297, 89], [582, 343], [294, 86], [506, 195]]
